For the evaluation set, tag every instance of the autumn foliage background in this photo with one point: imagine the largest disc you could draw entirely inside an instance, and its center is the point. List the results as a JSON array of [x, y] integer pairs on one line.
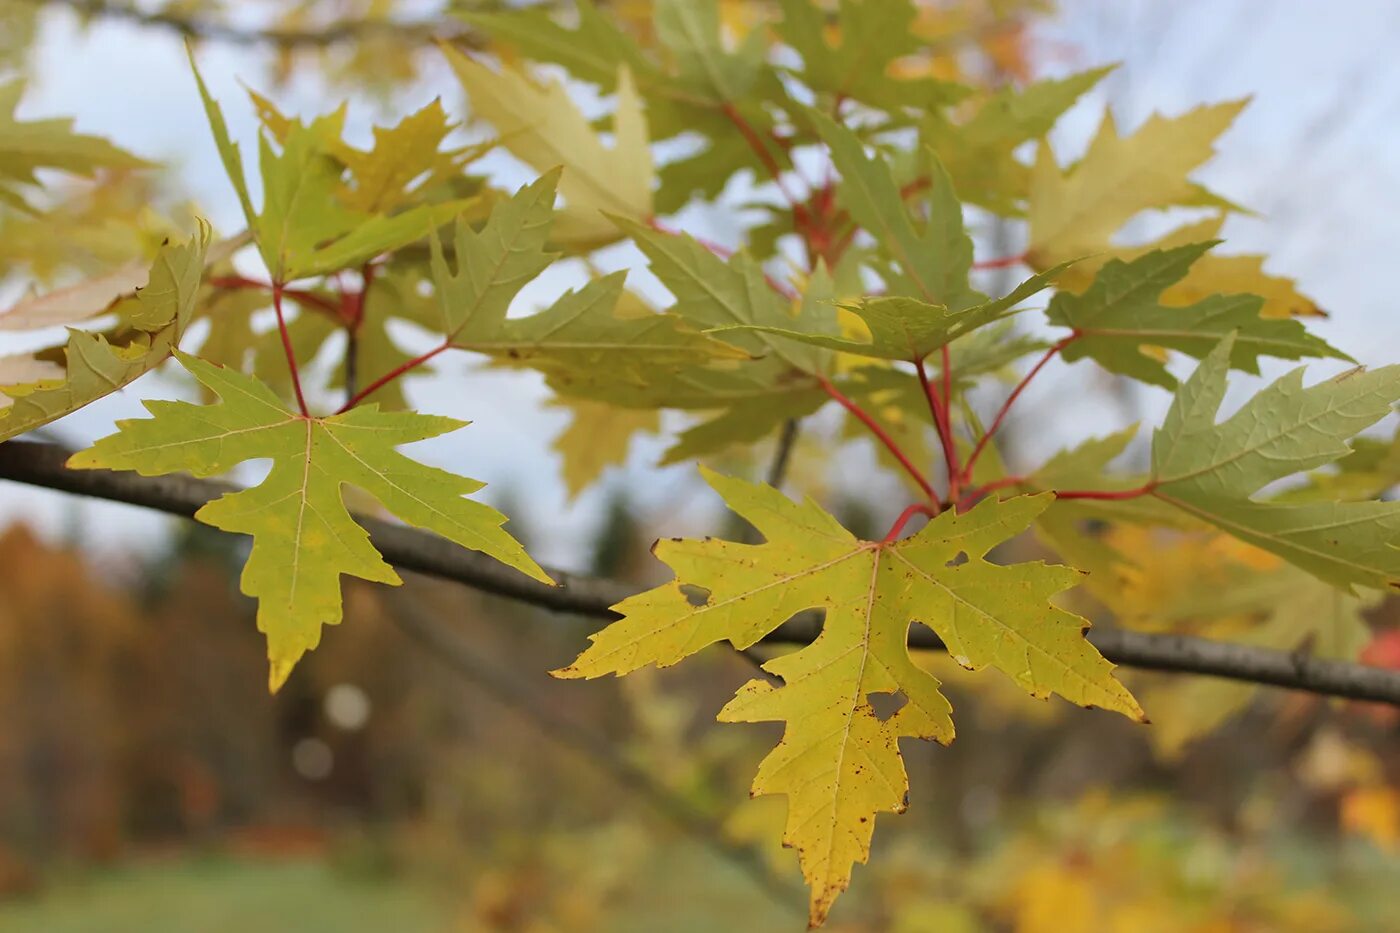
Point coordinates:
[[144, 769]]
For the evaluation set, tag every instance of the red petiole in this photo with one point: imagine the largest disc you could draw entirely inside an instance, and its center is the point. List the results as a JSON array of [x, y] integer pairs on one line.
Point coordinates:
[[878, 430], [391, 375], [300, 296], [287, 348], [1011, 399], [1005, 262], [918, 508]]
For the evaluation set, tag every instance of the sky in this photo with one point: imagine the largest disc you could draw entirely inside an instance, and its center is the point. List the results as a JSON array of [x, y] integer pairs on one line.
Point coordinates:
[[1316, 155]]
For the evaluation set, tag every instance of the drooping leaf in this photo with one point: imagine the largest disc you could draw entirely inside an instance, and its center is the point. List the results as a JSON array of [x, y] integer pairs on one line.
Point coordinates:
[[1121, 314], [75, 303], [1212, 470], [304, 538], [839, 763], [153, 322], [540, 124]]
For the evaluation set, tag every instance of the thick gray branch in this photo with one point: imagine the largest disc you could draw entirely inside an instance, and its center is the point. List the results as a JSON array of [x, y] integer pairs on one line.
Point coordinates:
[[410, 549]]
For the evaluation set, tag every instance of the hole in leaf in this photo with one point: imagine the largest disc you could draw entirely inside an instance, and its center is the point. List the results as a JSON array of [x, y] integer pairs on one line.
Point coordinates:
[[886, 705], [695, 595], [958, 560]]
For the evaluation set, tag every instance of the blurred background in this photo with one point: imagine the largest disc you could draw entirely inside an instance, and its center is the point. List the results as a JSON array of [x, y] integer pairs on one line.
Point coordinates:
[[415, 776]]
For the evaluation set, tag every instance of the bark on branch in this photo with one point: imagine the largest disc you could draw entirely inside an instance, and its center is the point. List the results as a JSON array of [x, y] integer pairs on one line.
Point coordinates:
[[411, 549], [199, 28]]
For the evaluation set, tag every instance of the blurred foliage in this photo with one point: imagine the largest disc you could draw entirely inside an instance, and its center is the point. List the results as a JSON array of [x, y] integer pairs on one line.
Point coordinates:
[[140, 739]]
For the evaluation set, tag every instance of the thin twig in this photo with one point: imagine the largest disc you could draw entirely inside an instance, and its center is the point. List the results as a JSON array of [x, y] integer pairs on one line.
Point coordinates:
[[424, 552], [782, 456]]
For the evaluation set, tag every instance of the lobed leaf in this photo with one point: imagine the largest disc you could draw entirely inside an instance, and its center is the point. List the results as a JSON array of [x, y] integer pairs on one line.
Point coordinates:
[[839, 763], [304, 538]]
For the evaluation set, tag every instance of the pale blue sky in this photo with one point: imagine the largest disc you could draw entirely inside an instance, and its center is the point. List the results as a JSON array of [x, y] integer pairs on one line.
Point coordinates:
[[1317, 154]]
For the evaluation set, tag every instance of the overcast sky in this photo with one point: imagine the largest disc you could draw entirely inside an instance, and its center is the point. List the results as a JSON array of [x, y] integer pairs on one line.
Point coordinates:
[[1317, 154]]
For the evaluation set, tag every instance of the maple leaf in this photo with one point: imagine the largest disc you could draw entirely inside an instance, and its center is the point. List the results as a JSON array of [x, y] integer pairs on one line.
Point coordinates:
[[540, 124], [582, 331], [1211, 274], [1211, 470], [870, 38], [1075, 212], [304, 538], [1121, 313], [597, 437], [590, 51], [933, 264], [77, 302], [714, 293], [304, 228], [29, 145], [839, 763], [979, 153], [152, 322], [910, 329]]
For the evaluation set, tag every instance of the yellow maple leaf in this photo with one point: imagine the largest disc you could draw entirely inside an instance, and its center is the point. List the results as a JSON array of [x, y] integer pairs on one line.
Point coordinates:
[[1075, 212], [839, 763], [541, 125]]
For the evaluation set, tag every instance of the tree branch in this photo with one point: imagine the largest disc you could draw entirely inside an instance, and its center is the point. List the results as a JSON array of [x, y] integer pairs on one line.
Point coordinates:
[[207, 29], [411, 549]]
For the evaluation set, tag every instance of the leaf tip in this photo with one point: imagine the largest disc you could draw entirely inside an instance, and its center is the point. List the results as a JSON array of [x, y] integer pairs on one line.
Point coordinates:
[[277, 673]]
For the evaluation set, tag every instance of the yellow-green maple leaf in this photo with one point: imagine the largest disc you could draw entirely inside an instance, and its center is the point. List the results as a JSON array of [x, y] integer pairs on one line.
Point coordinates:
[[29, 145], [839, 763], [541, 125], [152, 323], [304, 228], [1076, 211], [304, 538], [598, 437]]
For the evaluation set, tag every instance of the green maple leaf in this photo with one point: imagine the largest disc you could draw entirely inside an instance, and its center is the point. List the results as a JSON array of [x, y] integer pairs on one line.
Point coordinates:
[[714, 293], [932, 263], [29, 145], [980, 153], [582, 331], [304, 538], [304, 227], [690, 31], [152, 322], [1121, 313], [839, 763], [591, 51], [1211, 470], [910, 329], [872, 36]]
